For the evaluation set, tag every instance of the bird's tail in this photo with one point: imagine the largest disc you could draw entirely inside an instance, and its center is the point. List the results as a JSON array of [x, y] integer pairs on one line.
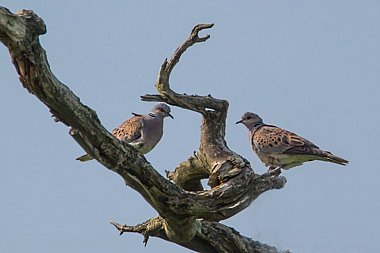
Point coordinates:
[[329, 157], [84, 158]]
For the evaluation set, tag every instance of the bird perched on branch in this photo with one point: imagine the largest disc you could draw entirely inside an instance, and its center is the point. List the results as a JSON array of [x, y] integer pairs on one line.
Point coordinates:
[[279, 148], [141, 131]]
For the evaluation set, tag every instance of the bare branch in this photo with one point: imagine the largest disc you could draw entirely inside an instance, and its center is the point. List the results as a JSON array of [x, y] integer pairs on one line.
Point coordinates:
[[211, 237], [234, 184], [195, 103], [168, 66]]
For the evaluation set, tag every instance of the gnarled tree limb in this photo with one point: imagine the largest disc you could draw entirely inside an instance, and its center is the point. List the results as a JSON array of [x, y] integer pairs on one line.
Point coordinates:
[[186, 212], [212, 237]]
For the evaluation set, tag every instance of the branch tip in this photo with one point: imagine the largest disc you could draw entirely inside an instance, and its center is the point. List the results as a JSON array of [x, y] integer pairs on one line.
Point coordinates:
[[119, 227], [199, 27]]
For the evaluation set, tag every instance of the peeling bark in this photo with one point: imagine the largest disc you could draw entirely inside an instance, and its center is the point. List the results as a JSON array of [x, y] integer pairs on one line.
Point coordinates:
[[188, 215]]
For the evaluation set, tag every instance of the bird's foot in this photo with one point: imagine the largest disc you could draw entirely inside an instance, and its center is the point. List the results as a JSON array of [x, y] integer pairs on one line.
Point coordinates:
[[274, 171]]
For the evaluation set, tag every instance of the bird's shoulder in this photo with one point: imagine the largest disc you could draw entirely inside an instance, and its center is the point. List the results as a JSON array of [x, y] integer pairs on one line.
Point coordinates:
[[273, 139], [129, 129]]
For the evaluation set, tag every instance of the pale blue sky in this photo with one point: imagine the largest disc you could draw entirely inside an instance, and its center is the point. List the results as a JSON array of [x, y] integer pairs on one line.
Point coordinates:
[[312, 67]]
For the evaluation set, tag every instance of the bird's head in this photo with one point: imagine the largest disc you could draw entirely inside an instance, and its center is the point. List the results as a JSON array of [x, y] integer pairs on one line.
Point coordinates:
[[250, 120], [162, 110]]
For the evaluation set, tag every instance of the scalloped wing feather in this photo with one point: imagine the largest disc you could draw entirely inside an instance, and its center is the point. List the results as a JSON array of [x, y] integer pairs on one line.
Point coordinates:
[[272, 139], [281, 148], [130, 130]]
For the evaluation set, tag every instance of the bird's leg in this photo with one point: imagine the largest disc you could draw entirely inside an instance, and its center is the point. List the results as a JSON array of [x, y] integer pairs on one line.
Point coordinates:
[[274, 170]]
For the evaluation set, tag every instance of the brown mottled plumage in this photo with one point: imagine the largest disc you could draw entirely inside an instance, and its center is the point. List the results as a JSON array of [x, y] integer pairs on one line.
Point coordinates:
[[279, 148], [130, 130]]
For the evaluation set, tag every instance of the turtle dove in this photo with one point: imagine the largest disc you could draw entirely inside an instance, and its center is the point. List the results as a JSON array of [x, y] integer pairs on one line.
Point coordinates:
[[141, 131], [279, 148]]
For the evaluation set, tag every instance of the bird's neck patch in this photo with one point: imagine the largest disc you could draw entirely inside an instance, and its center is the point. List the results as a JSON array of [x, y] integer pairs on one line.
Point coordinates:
[[256, 125]]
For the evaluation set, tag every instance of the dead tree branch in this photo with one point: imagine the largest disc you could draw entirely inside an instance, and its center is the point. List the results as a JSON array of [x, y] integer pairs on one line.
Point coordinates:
[[212, 237], [185, 215]]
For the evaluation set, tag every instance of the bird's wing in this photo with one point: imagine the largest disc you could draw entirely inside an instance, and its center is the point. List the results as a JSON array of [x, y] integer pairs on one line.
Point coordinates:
[[130, 130], [272, 139]]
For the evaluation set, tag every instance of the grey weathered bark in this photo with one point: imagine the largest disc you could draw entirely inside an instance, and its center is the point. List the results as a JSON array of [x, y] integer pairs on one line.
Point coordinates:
[[189, 216]]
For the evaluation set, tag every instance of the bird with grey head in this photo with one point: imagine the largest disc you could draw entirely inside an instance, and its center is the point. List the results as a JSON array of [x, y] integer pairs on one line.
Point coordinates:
[[280, 149], [143, 131]]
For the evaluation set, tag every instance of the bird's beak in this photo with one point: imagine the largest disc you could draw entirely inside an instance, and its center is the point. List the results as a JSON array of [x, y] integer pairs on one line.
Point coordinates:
[[240, 121], [170, 116]]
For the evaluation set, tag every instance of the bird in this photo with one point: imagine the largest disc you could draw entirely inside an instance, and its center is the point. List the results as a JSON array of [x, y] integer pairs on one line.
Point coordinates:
[[280, 149], [141, 131]]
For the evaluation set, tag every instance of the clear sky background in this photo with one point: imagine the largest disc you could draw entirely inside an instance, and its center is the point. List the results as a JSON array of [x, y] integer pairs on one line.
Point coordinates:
[[312, 67]]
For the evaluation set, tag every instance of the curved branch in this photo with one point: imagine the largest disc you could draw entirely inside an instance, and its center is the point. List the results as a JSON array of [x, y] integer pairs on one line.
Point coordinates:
[[234, 183], [188, 174], [168, 66], [196, 103]]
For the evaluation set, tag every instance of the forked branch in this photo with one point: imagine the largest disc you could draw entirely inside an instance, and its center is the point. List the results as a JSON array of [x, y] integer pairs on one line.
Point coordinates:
[[182, 211], [196, 103]]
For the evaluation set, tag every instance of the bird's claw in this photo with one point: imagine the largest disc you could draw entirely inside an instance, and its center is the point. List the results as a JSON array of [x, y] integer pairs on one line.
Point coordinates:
[[274, 171]]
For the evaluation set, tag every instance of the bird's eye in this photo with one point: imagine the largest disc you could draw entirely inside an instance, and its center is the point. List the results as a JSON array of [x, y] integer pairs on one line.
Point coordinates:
[[249, 117]]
